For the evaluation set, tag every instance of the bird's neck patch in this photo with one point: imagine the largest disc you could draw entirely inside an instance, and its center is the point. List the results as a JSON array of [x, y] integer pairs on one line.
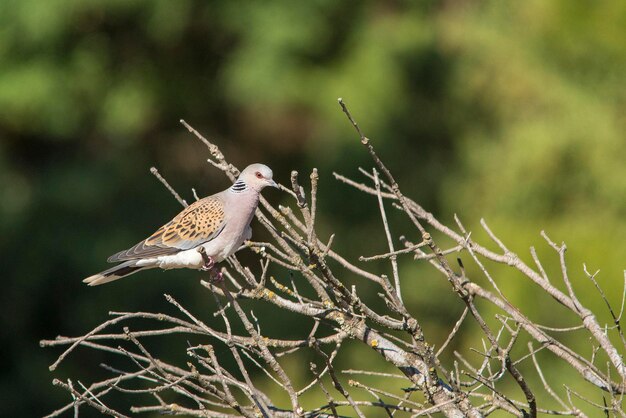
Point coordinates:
[[239, 186]]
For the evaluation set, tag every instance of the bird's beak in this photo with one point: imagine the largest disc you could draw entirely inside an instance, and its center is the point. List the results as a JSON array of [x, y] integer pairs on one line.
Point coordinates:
[[273, 183]]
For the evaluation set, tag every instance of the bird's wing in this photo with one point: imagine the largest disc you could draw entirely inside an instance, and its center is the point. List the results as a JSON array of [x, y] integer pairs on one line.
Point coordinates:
[[200, 222]]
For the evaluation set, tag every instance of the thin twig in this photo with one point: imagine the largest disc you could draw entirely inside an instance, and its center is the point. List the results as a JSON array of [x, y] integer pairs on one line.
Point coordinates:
[[158, 175]]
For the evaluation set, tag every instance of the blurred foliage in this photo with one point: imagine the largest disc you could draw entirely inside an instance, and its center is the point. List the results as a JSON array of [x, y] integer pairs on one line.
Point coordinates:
[[512, 111]]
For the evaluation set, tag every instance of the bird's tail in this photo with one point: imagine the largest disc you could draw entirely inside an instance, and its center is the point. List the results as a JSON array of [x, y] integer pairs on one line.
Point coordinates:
[[114, 273]]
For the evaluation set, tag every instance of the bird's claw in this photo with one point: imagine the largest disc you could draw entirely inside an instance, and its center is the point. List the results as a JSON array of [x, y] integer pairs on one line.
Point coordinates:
[[209, 265], [217, 276]]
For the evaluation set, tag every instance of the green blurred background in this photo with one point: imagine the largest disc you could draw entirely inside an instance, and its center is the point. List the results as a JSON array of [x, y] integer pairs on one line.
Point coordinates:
[[512, 111]]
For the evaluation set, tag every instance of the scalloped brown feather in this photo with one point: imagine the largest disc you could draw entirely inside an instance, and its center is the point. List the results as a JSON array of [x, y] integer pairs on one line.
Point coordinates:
[[200, 222]]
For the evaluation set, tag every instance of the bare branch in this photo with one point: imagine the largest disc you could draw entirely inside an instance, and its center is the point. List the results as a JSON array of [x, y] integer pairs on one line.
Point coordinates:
[[335, 314]]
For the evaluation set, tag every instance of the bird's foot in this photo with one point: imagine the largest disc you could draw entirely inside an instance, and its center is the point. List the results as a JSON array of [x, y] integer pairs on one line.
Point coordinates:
[[216, 275], [208, 265], [208, 262]]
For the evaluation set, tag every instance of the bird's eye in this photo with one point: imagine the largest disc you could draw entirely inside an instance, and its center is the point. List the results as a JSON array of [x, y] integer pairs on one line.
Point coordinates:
[[258, 175]]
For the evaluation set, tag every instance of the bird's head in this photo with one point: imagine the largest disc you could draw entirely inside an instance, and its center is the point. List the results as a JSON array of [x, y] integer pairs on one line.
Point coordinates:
[[257, 176]]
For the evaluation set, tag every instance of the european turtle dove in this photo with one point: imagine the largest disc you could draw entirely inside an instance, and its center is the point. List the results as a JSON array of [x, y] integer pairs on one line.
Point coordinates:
[[203, 234]]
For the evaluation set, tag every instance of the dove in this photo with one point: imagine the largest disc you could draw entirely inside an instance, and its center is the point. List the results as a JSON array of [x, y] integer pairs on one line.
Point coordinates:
[[203, 234]]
